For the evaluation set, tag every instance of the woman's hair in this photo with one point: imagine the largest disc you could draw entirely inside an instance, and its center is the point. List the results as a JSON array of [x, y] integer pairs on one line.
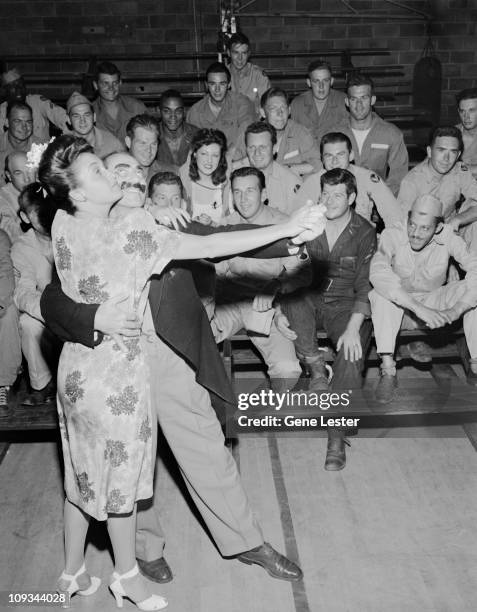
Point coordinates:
[[203, 138], [31, 198], [55, 174]]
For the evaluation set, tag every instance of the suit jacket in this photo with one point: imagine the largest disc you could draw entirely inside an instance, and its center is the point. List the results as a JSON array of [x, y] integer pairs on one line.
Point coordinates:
[[179, 317]]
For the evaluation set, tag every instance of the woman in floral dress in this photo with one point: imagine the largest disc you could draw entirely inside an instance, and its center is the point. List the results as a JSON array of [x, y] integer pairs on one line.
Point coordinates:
[[103, 393]]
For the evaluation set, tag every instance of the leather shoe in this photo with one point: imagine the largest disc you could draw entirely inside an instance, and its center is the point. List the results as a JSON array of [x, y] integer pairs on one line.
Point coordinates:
[[336, 454], [157, 570], [272, 562]]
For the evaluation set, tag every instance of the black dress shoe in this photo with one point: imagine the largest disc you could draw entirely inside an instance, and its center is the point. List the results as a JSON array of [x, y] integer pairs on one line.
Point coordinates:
[[272, 562], [47, 395], [157, 570]]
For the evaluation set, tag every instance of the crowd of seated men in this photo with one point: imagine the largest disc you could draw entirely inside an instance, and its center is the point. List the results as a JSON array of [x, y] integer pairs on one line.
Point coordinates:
[[244, 154]]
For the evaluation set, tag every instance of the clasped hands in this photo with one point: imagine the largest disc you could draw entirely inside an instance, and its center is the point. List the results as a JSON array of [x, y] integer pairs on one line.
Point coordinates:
[[309, 221]]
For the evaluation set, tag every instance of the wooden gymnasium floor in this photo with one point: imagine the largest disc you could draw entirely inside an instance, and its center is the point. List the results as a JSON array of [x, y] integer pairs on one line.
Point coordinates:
[[395, 531]]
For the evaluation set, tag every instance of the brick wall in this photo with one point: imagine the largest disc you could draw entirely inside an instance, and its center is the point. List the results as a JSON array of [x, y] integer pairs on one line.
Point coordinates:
[[86, 27]]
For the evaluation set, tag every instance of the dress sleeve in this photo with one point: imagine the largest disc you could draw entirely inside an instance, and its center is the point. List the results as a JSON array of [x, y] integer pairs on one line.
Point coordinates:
[[153, 243], [168, 242]]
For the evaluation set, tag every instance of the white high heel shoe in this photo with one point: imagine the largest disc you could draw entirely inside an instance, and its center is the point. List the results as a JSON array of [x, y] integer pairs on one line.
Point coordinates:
[[74, 587], [154, 602]]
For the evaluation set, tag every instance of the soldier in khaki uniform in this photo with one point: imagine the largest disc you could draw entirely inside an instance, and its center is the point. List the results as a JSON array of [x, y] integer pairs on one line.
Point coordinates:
[[221, 109], [321, 109], [336, 152], [467, 107], [113, 111], [82, 119], [43, 110], [246, 78], [408, 273], [281, 183], [446, 178], [377, 144], [19, 135]]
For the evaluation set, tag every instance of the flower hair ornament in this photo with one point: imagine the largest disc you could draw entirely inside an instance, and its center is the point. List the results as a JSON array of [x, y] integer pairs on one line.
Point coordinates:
[[34, 157]]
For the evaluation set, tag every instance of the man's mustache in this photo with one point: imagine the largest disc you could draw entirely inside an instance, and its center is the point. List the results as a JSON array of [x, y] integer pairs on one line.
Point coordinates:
[[127, 185]]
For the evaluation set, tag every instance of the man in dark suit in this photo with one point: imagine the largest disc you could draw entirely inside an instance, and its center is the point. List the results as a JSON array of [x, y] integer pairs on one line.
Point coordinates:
[[188, 375]]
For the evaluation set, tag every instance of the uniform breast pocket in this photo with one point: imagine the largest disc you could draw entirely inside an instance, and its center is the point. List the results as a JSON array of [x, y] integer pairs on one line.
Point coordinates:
[[348, 263]]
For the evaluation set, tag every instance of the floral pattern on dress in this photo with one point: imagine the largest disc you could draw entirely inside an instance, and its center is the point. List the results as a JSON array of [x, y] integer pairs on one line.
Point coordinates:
[[115, 502], [90, 289], [63, 259], [145, 431], [116, 452], [73, 388], [140, 242], [133, 347], [123, 403], [104, 394], [85, 487]]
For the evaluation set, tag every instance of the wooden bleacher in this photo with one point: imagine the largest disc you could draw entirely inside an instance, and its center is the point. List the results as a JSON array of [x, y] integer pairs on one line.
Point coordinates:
[[56, 77]]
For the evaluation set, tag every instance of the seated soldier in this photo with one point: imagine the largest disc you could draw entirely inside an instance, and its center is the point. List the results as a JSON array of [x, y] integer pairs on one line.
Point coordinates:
[[246, 78], [221, 109], [336, 300], [408, 274], [112, 109], [445, 177], [142, 141], [175, 134], [246, 288], [281, 183], [19, 135], [166, 190], [467, 107], [32, 257], [321, 109], [295, 146], [337, 152], [377, 144], [43, 110], [82, 122], [10, 353], [18, 176]]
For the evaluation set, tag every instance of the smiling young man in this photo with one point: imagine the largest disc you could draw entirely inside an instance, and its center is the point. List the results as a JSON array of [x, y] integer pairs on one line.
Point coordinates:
[[221, 109], [113, 110], [82, 119], [246, 288], [281, 183], [175, 134], [142, 141], [409, 273], [19, 135], [321, 109], [246, 78], [445, 177], [467, 107], [337, 152], [377, 144]]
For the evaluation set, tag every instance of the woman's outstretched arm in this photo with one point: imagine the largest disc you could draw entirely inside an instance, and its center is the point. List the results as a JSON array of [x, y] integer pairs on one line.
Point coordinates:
[[306, 219]]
